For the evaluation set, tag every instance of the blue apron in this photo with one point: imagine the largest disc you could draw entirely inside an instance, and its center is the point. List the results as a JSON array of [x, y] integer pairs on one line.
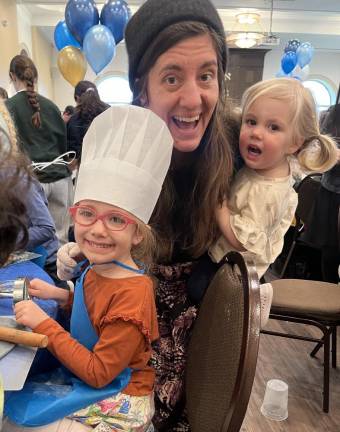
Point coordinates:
[[55, 395]]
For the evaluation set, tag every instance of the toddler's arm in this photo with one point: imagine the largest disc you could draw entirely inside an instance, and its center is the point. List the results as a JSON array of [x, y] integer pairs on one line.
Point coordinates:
[[223, 221]]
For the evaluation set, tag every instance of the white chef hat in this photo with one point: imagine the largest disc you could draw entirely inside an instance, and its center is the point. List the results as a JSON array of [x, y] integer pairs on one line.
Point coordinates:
[[126, 154]]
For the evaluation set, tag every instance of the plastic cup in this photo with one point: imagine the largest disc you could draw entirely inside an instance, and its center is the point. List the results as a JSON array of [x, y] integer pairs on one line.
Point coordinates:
[[275, 402]]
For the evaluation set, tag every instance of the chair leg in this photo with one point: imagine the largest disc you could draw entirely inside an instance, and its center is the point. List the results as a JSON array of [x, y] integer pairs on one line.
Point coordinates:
[[326, 355], [317, 348], [334, 346]]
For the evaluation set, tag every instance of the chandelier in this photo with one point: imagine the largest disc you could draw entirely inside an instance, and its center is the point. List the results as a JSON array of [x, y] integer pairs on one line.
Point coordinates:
[[247, 31]]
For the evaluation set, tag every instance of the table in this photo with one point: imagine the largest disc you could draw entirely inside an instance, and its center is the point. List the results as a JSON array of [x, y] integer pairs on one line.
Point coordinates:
[[15, 365]]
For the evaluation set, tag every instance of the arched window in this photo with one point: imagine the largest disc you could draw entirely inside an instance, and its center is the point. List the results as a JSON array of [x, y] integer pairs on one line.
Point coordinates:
[[323, 92], [114, 89]]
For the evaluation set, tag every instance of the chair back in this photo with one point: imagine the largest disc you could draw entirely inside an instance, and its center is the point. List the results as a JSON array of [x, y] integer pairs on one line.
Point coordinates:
[[223, 349], [307, 191]]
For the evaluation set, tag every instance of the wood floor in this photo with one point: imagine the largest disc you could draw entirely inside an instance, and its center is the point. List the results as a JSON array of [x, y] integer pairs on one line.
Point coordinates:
[[289, 360]]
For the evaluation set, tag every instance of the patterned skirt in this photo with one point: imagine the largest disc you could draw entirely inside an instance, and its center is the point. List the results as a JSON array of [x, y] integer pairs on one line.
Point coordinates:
[[176, 315]]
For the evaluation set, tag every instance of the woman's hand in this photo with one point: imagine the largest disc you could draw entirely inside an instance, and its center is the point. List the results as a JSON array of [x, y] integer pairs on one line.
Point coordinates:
[[65, 260], [44, 290], [29, 314]]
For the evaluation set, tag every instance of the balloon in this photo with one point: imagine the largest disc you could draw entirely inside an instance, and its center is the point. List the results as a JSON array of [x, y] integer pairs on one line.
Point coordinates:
[[63, 37], [99, 47], [72, 64], [292, 45], [288, 61], [114, 15], [301, 73], [304, 54], [80, 16]]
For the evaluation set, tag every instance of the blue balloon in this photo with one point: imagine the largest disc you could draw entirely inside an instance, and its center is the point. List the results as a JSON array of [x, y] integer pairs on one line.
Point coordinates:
[[115, 15], [80, 16], [292, 45], [288, 61], [63, 37], [99, 47], [304, 54]]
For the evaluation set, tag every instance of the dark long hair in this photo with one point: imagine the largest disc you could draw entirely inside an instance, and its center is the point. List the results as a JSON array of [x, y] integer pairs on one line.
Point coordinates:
[[24, 69], [13, 169], [184, 217], [89, 103]]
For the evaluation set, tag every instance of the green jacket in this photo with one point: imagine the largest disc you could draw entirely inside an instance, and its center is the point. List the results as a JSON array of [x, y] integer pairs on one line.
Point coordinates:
[[40, 144]]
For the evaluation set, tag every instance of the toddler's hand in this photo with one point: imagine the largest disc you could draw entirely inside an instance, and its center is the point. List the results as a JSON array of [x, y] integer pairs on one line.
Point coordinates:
[[29, 314], [66, 262]]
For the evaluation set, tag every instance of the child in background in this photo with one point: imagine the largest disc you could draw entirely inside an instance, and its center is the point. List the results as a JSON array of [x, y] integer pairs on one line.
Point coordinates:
[[279, 121], [113, 320]]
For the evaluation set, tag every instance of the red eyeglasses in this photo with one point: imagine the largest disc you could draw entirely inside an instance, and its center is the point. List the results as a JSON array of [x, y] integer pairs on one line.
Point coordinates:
[[113, 220]]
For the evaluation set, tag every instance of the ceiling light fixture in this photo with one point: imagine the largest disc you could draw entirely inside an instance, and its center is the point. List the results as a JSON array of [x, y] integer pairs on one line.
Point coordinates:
[[247, 31]]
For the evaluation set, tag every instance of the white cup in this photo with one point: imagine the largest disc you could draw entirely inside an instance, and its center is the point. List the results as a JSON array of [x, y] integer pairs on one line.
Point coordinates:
[[275, 402]]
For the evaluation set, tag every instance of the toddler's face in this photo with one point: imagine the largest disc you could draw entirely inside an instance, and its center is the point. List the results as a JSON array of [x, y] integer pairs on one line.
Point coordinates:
[[104, 240], [266, 136]]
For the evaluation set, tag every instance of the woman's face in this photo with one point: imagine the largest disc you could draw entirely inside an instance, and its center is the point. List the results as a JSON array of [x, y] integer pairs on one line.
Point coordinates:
[[183, 89]]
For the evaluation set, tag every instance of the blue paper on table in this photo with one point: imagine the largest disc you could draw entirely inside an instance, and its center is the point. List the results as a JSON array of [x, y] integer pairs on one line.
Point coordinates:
[[31, 271]]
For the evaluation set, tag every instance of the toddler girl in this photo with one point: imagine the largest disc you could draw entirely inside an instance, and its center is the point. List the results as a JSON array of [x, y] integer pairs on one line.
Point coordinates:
[[106, 382], [279, 121]]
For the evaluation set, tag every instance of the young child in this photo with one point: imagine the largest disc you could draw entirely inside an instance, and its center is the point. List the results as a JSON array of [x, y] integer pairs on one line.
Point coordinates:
[[126, 154], [279, 121]]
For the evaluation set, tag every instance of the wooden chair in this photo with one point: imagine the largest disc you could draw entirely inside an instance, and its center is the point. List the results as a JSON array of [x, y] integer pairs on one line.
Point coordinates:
[[223, 349], [307, 191]]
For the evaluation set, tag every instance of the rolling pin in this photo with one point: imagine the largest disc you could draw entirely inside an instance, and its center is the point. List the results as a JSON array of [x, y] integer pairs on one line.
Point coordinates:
[[23, 337]]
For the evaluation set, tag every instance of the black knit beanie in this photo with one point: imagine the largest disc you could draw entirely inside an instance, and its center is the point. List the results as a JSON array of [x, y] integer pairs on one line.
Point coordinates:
[[155, 15]]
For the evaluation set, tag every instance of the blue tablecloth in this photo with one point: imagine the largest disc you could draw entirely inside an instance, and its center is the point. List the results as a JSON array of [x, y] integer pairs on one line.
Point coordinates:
[[31, 271]]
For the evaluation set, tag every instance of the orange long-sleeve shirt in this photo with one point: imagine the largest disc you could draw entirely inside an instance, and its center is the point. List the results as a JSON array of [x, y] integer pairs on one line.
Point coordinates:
[[123, 314]]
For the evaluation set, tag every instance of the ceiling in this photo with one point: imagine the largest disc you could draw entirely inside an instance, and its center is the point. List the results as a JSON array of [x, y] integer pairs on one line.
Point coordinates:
[[316, 21]]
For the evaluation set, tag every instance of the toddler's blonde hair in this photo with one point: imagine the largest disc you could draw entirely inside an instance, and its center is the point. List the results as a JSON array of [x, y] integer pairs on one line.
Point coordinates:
[[318, 152]]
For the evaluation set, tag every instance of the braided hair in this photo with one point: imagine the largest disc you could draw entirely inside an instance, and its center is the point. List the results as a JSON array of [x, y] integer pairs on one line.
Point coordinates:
[[24, 69]]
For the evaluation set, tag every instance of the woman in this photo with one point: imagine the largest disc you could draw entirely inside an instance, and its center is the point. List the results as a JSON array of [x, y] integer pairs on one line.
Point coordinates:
[[42, 136], [88, 107], [177, 63]]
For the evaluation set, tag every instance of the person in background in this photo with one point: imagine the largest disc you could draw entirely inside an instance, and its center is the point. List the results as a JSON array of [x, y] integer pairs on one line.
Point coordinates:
[[88, 106], [177, 64], [42, 136], [113, 319], [68, 112], [13, 231], [322, 230], [42, 237], [3, 94]]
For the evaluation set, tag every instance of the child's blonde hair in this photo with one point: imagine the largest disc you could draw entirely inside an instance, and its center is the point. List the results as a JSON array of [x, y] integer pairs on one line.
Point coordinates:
[[145, 251], [318, 152]]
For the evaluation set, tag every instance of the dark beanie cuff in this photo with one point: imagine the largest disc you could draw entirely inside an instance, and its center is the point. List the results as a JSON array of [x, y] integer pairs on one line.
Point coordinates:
[[155, 15]]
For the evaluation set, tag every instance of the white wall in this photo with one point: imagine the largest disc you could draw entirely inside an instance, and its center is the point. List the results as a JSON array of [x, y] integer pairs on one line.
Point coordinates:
[[24, 28], [324, 64]]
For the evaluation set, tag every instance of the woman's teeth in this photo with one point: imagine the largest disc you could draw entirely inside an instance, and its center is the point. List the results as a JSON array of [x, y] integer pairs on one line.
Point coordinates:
[[186, 122]]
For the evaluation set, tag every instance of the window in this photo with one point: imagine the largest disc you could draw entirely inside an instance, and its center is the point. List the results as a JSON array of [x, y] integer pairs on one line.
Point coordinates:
[[323, 93], [114, 89]]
